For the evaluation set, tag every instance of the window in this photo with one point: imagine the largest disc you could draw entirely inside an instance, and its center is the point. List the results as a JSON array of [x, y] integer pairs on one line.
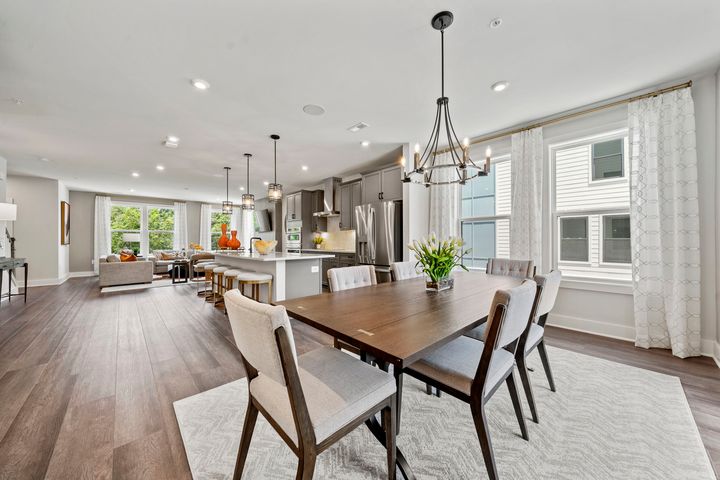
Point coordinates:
[[607, 159], [217, 218], [616, 239], [125, 228], [142, 228], [592, 216], [485, 215]]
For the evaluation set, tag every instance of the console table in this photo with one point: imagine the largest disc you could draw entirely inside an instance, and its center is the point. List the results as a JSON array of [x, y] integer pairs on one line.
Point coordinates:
[[10, 264]]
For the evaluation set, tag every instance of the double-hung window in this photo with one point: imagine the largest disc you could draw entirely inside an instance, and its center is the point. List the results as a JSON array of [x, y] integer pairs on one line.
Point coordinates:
[[485, 215], [217, 218], [591, 207], [141, 228]]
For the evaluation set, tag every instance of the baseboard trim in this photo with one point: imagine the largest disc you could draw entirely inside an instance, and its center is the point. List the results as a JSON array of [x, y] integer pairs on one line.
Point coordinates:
[[708, 348], [82, 274]]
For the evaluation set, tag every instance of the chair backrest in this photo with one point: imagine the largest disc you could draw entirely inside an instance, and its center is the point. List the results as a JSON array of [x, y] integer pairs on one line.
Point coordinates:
[[351, 277], [550, 284], [510, 268], [253, 325], [404, 270]]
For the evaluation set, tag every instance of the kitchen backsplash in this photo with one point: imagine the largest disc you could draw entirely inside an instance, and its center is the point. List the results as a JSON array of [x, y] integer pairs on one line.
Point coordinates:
[[339, 240]]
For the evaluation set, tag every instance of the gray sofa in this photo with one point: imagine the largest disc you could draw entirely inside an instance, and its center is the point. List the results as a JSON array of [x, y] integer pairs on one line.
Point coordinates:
[[161, 267], [124, 273]]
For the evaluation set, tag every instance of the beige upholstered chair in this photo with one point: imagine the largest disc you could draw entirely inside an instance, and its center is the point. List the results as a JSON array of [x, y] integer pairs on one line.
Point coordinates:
[[473, 371], [404, 270], [346, 278], [510, 268], [312, 401]]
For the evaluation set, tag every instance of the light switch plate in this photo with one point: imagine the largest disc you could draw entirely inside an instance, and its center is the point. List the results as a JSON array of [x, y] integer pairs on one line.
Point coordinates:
[[315, 269]]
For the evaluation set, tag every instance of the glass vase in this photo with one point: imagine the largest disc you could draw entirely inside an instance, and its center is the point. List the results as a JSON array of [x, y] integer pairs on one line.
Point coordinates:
[[441, 284]]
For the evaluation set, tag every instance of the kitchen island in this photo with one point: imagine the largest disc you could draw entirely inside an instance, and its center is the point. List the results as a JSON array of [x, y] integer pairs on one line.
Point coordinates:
[[294, 274]]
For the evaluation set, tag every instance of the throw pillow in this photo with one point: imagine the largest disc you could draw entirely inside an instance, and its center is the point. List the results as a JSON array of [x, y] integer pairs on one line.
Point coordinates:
[[112, 258], [128, 257], [168, 256]]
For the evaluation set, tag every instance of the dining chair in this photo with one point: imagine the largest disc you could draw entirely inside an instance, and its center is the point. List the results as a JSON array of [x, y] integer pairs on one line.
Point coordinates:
[[311, 401], [472, 371], [510, 267], [404, 270], [346, 278]]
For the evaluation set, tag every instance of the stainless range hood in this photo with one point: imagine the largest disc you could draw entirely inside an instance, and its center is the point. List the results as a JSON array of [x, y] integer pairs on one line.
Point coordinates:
[[330, 207]]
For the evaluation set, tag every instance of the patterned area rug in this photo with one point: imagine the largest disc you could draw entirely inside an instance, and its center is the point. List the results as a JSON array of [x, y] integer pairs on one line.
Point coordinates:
[[606, 421]]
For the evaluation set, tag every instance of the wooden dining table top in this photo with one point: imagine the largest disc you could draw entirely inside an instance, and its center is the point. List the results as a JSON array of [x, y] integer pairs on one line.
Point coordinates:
[[399, 322]]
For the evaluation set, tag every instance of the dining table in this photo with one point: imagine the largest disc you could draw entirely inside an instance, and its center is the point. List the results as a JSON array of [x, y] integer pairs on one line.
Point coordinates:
[[398, 323]]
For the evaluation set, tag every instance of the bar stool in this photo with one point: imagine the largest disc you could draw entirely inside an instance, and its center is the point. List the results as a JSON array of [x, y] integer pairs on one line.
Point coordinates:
[[255, 280], [217, 273], [205, 268]]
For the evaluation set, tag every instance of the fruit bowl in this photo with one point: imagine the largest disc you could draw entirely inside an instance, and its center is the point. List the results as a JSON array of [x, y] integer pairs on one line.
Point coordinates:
[[264, 247]]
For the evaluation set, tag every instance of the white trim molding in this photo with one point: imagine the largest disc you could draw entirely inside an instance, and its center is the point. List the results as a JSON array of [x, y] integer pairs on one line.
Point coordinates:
[[82, 274]]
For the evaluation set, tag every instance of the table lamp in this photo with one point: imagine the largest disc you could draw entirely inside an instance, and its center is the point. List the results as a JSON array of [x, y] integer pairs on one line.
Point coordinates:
[[8, 213]]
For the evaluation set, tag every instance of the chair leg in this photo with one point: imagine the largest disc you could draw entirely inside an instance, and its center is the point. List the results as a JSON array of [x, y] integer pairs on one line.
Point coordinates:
[[388, 415], [306, 466], [247, 431], [510, 380], [481, 427], [546, 364], [527, 386]]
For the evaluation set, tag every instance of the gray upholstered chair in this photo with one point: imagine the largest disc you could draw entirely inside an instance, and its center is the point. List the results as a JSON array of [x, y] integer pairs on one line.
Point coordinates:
[[404, 270], [473, 371], [346, 278], [312, 401], [510, 268]]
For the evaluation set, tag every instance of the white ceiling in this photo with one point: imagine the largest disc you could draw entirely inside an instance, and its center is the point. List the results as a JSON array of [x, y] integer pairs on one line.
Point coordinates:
[[102, 83]]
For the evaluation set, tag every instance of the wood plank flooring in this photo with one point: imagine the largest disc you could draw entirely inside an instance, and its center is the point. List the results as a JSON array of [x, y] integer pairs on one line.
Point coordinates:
[[87, 381]]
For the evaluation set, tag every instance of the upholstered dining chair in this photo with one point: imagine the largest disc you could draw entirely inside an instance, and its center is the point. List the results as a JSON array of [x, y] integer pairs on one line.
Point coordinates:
[[472, 371], [510, 267], [313, 400], [404, 270], [346, 278]]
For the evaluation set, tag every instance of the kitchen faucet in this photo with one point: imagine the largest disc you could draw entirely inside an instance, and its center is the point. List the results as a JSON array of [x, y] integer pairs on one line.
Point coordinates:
[[251, 242]]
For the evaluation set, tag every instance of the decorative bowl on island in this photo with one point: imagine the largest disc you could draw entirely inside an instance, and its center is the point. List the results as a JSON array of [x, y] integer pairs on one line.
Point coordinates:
[[264, 247]]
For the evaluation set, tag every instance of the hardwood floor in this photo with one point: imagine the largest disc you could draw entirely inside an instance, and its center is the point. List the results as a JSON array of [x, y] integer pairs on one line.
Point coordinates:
[[87, 381]]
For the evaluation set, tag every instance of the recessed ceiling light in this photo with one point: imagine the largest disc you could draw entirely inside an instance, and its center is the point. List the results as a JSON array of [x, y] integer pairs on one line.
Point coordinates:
[[266, 183], [305, 167], [495, 22], [500, 86], [365, 143], [43, 159], [242, 189], [358, 126], [200, 84], [135, 174], [159, 167], [171, 141], [132, 190], [312, 109]]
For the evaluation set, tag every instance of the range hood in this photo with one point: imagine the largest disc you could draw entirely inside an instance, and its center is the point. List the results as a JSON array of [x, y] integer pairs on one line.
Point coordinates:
[[330, 208]]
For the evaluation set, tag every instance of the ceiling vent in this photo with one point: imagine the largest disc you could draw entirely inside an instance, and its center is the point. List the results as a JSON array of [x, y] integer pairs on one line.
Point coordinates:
[[358, 126]]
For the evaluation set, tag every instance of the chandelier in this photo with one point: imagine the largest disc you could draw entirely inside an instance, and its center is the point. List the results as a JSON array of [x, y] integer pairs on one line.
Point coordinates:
[[248, 199], [275, 192], [460, 168], [227, 205]]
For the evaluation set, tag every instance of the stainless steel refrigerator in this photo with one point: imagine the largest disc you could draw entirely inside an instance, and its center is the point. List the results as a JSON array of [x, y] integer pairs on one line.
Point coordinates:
[[379, 237]]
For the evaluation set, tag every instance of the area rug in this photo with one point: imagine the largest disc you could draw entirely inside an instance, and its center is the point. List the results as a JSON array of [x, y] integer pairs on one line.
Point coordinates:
[[606, 421], [156, 283]]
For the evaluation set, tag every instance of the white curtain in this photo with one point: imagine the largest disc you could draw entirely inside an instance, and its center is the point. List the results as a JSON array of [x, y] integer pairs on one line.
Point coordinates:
[[205, 217], [444, 202], [102, 241], [180, 231], [665, 231], [247, 228], [236, 220], [526, 204]]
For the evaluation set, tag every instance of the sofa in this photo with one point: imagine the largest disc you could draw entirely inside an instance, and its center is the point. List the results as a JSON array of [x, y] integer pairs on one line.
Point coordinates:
[[114, 272], [160, 266]]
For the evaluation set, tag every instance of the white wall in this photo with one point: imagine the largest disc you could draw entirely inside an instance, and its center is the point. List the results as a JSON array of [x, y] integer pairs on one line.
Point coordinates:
[[416, 208], [717, 216]]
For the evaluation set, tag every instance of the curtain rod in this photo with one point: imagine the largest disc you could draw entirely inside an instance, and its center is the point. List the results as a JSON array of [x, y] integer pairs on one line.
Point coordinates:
[[568, 116]]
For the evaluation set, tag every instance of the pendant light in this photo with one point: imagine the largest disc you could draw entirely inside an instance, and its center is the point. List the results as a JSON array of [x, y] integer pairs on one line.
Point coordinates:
[[227, 205], [275, 192], [248, 199], [461, 167]]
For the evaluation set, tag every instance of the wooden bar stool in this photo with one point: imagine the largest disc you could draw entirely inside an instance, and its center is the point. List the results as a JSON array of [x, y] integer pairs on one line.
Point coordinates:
[[255, 280], [206, 268], [217, 282]]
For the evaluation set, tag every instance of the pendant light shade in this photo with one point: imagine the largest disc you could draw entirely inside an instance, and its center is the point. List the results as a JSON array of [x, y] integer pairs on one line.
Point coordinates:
[[248, 199], [275, 192], [227, 205]]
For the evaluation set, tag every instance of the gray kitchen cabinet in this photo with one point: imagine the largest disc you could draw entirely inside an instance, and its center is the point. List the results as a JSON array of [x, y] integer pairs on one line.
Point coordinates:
[[382, 185], [371, 187], [350, 197]]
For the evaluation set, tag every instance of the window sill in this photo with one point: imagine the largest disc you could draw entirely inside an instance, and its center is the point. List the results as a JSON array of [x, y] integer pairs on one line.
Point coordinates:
[[623, 287]]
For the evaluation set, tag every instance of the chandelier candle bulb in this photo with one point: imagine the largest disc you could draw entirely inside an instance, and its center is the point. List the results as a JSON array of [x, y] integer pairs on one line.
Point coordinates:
[[416, 157], [488, 154]]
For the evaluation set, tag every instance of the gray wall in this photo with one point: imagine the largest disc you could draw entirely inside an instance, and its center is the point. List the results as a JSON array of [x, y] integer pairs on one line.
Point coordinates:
[[82, 246]]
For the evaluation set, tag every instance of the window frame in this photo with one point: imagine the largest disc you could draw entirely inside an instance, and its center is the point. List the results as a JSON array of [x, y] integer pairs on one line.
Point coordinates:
[[587, 240], [602, 262], [144, 231], [591, 163], [484, 218]]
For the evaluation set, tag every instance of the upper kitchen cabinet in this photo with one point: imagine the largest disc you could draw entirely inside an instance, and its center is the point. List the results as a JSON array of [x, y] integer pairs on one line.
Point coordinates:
[[350, 197], [382, 185]]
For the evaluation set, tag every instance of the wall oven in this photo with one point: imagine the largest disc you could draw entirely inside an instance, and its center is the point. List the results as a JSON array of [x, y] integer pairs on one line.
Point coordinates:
[[293, 236]]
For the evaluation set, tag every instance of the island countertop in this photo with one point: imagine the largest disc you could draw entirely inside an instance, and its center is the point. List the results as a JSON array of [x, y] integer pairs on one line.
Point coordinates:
[[272, 257]]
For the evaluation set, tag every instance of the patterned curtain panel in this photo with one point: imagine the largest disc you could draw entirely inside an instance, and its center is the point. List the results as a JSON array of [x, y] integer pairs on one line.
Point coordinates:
[[527, 180], [180, 232], [444, 203], [205, 213], [103, 206], [665, 230]]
